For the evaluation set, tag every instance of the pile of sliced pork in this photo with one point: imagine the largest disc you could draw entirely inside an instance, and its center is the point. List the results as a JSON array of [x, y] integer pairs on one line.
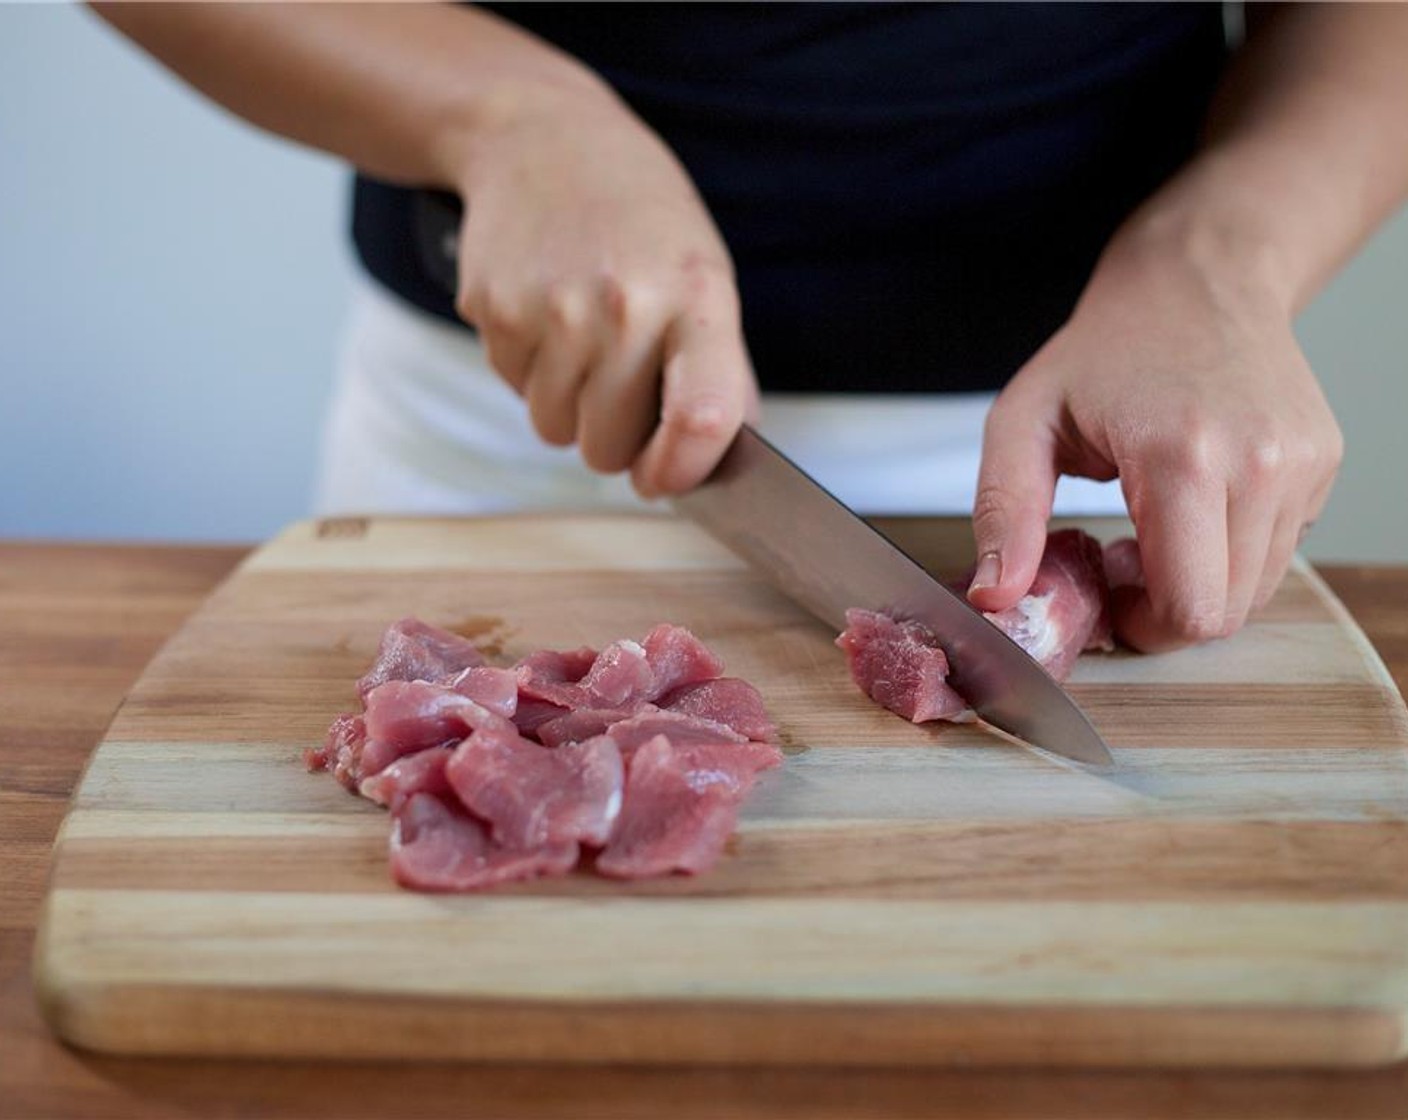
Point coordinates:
[[633, 760], [899, 663]]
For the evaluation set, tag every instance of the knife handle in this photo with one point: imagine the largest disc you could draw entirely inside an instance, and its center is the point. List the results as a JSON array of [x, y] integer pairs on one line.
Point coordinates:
[[435, 222]]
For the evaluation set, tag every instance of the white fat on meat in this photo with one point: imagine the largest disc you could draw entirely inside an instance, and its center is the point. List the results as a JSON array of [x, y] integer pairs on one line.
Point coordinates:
[[1033, 629]]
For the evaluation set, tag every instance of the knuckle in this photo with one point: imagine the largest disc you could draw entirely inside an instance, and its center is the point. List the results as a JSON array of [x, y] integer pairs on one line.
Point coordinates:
[[1264, 459], [470, 302], [707, 280], [629, 300], [494, 309], [1332, 451], [565, 305], [708, 416], [616, 297], [1186, 444], [1192, 453], [503, 313], [706, 265]]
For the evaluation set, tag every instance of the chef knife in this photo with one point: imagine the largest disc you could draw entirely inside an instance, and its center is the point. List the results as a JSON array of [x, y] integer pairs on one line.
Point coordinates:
[[815, 550]]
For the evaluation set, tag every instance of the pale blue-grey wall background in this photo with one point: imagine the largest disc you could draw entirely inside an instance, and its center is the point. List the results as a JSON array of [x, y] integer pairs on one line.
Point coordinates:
[[172, 284]]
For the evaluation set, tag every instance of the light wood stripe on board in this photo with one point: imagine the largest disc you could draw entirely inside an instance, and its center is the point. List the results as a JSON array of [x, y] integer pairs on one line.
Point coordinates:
[[1128, 715], [940, 861], [865, 784], [1221, 953]]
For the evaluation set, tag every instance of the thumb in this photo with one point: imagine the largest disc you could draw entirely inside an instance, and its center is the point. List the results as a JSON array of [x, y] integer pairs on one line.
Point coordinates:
[[1016, 484]]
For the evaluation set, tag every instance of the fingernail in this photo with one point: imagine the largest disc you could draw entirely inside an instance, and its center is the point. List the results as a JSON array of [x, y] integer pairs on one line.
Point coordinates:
[[989, 572]]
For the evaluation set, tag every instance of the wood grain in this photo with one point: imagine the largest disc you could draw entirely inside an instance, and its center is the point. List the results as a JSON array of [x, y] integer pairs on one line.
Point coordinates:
[[1244, 860], [124, 600]]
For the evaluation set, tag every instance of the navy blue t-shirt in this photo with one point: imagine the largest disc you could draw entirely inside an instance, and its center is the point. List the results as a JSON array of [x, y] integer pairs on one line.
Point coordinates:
[[913, 194]]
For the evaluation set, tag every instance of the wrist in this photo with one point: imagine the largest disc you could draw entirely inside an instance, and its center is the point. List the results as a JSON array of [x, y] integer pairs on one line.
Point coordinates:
[[1206, 233], [476, 126]]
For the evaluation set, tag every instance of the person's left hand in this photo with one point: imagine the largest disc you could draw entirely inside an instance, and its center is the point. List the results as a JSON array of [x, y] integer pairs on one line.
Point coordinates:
[[1188, 385]]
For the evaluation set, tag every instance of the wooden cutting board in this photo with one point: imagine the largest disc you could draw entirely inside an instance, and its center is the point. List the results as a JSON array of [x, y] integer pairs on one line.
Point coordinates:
[[1236, 892]]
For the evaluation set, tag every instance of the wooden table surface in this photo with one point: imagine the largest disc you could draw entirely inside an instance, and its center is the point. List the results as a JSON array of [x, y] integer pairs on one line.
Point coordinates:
[[78, 623]]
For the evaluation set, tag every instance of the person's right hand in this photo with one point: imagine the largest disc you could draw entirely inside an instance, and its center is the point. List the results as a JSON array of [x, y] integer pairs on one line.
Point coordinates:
[[601, 289]]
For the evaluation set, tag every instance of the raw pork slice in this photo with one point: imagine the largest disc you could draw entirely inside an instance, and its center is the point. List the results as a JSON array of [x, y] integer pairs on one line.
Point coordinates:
[[1066, 611], [437, 846], [407, 716], [727, 700], [495, 689], [551, 677], [732, 766], [532, 714], [678, 658], [422, 772], [900, 666], [412, 650], [668, 823], [632, 733], [341, 750], [533, 795], [620, 677], [584, 723]]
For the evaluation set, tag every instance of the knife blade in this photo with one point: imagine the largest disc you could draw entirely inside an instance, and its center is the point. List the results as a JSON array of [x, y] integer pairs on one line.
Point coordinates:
[[818, 552]]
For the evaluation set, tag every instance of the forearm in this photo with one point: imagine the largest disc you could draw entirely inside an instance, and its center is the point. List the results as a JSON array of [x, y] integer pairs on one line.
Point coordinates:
[[402, 91], [1306, 153]]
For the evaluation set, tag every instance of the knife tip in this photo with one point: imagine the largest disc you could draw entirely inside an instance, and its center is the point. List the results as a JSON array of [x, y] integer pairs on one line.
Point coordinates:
[[1087, 752]]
